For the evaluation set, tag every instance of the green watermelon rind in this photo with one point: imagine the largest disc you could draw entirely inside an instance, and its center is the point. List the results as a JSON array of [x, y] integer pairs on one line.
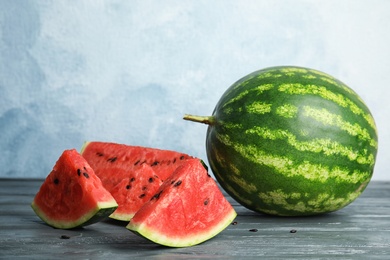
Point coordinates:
[[102, 211], [85, 144], [191, 240], [120, 217]]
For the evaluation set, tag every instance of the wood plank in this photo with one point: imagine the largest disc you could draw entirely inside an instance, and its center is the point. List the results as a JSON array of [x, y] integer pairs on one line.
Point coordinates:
[[359, 231]]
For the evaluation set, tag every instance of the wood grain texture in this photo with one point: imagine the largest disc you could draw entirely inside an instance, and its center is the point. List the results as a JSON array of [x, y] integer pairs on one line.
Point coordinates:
[[359, 231]]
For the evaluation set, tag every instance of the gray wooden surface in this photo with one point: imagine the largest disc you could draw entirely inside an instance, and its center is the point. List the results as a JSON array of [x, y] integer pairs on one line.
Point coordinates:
[[359, 231]]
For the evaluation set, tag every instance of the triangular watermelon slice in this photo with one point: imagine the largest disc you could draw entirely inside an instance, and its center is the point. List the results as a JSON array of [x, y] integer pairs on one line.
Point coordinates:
[[188, 209], [131, 173], [132, 190], [72, 195]]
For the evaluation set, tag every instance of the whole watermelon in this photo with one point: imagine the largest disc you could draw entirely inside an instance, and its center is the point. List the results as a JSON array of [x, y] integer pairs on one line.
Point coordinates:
[[291, 141]]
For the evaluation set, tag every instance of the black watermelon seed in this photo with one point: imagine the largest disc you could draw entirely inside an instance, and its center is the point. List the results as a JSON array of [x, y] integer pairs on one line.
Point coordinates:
[[155, 163], [56, 181], [174, 160], [99, 154], [182, 157], [206, 202], [128, 187], [86, 175], [78, 172], [253, 230], [137, 162], [157, 195], [113, 159], [132, 179], [144, 188], [151, 179], [177, 183], [142, 195]]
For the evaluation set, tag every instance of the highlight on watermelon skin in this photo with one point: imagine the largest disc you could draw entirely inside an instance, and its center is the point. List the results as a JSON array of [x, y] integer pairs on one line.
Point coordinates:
[[187, 210], [72, 195]]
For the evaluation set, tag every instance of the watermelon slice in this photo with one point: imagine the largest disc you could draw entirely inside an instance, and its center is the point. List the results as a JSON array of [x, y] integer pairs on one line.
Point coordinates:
[[72, 195], [131, 189], [131, 173], [188, 209], [106, 155]]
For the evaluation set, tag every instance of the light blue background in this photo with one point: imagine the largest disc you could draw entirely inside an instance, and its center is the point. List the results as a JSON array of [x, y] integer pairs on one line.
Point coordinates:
[[127, 71]]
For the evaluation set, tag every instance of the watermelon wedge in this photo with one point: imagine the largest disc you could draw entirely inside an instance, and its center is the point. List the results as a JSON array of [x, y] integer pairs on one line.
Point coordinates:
[[188, 209], [131, 189], [106, 155], [72, 195], [132, 174]]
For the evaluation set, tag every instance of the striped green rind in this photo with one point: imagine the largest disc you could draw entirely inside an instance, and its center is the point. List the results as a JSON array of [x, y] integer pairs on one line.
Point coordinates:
[[292, 141]]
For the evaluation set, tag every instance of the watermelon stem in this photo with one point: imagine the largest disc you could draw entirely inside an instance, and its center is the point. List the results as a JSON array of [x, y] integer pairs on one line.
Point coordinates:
[[208, 120]]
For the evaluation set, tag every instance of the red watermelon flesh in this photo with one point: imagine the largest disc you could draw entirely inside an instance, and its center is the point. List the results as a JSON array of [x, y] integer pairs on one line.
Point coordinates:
[[72, 195], [188, 209], [132, 189], [106, 155], [131, 173]]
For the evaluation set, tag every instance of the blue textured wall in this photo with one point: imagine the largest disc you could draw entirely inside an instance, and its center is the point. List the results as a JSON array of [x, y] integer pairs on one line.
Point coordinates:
[[127, 71]]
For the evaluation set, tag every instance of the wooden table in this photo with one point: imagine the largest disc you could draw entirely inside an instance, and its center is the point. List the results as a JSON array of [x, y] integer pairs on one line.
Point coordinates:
[[359, 231]]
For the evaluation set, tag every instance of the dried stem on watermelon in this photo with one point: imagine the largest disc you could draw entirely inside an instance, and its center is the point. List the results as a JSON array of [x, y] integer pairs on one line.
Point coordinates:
[[208, 120]]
